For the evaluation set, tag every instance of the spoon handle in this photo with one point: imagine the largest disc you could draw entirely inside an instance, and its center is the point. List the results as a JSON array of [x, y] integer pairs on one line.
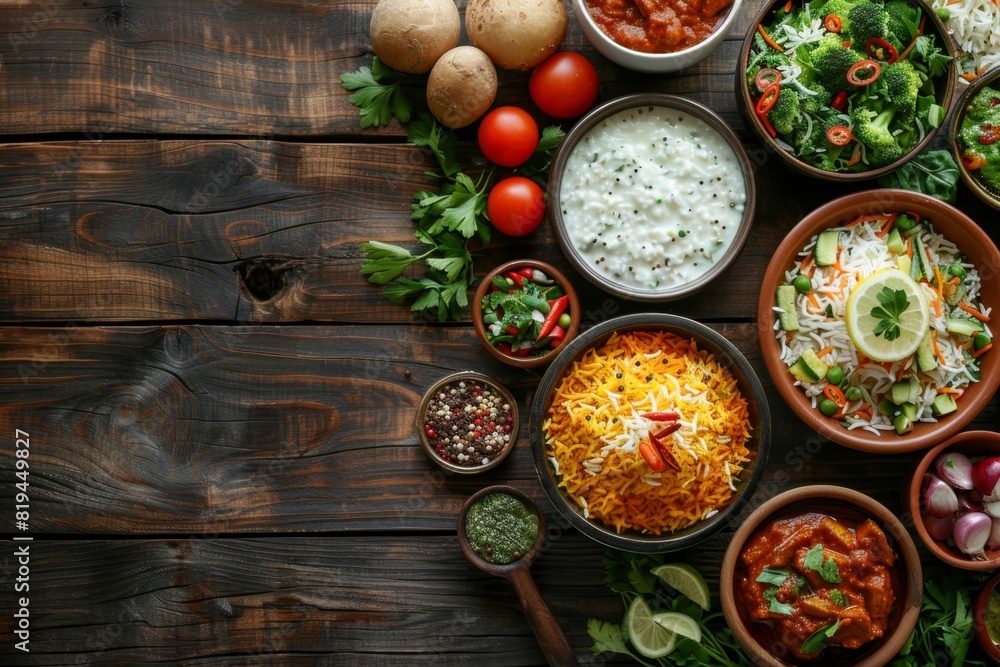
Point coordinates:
[[550, 636]]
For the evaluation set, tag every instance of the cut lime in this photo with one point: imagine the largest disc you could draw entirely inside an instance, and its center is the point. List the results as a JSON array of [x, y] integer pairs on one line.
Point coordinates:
[[910, 323], [649, 638], [678, 623], [685, 580]]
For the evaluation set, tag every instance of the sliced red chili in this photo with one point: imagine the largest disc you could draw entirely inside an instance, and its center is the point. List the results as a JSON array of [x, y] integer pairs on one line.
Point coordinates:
[[846, 44], [995, 101], [833, 23], [768, 98], [664, 451], [767, 76], [839, 101], [652, 457], [839, 135], [667, 416], [988, 133], [879, 49], [864, 73], [788, 6], [767, 125], [527, 272]]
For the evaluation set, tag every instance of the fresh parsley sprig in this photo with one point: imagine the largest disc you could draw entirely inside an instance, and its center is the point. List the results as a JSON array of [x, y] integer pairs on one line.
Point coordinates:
[[378, 93], [894, 304]]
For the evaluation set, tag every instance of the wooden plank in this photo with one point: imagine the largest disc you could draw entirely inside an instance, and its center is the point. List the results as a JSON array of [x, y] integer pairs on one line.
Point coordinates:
[[237, 67], [294, 601], [195, 429], [260, 231]]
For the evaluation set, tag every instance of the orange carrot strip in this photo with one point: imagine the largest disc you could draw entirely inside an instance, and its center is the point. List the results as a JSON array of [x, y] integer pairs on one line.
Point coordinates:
[[814, 301], [937, 350], [981, 351], [954, 281], [972, 311], [948, 390], [937, 307], [825, 351], [968, 76], [909, 248], [767, 39], [886, 227], [940, 282]]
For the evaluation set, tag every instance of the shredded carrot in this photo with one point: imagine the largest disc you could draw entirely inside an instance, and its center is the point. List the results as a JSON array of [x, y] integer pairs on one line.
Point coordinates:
[[916, 216], [825, 351], [788, 337], [864, 412], [954, 281], [949, 390], [968, 76], [937, 350], [900, 373], [886, 227], [807, 267], [909, 248], [767, 39], [814, 301], [972, 311], [940, 283], [937, 307], [871, 217], [836, 265], [981, 351]]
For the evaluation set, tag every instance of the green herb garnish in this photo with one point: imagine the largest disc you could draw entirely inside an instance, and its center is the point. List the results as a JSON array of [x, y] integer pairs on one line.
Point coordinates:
[[827, 569], [894, 304], [772, 575], [777, 606], [816, 642], [838, 598], [378, 93]]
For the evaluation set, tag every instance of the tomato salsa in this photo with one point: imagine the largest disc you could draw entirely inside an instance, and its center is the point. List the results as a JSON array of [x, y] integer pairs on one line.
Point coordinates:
[[816, 585], [657, 26]]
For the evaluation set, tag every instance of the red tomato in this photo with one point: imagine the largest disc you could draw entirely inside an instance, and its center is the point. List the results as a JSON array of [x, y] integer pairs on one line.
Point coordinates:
[[516, 205], [564, 86], [508, 136]]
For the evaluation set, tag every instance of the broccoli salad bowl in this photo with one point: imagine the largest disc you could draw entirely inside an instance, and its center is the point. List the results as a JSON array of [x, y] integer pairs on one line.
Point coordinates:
[[846, 90]]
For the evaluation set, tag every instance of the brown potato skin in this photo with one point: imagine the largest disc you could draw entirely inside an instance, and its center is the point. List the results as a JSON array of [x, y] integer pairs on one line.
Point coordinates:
[[461, 86], [516, 34], [410, 35]]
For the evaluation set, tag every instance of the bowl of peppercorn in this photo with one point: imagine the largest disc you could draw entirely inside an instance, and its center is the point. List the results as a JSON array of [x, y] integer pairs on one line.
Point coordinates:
[[467, 422]]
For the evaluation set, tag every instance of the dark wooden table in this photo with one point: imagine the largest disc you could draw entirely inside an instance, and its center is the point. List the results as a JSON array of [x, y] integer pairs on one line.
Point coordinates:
[[223, 462]]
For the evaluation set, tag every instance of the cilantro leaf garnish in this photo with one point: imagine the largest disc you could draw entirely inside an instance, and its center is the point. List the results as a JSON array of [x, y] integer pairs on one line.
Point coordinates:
[[772, 575], [827, 569], [838, 598], [378, 93], [894, 304], [777, 606], [816, 642]]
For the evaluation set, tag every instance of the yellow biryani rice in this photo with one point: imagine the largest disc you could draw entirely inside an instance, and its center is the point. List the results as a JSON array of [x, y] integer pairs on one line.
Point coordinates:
[[594, 427]]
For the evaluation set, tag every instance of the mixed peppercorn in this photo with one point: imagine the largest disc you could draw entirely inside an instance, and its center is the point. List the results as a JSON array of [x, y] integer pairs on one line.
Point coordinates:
[[468, 423], [525, 313]]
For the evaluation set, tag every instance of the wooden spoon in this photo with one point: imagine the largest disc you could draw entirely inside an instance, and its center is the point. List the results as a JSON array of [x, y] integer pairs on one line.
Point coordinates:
[[547, 631]]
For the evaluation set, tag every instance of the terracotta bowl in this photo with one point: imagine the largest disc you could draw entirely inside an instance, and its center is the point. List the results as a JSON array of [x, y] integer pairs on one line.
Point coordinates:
[[958, 228], [468, 377], [980, 614], [749, 386], [561, 280], [989, 195], [970, 443], [747, 100], [843, 504], [639, 102]]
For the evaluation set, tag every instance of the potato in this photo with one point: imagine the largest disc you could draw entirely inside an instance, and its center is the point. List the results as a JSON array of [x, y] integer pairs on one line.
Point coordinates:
[[410, 35], [516, 34], [462, 86]]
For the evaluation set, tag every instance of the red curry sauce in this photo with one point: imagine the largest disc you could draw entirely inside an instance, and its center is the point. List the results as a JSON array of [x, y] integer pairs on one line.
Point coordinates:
[[792, 589], [657, 26]]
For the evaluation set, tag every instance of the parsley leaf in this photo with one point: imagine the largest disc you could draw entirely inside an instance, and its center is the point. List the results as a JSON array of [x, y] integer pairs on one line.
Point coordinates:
[[936, 59], [828, 569], [894, 303], [606, 637], [777, 606], [385, 261], [816, 642], [838, 598], [772, 575], [378, 93], [425, 131]]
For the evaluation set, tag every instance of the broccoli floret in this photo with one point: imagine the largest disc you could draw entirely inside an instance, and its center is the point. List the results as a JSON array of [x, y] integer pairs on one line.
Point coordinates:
[[871, 128], [868, 20], [902, 84], [832, 60], [785, 111], [841, 8], [883, 155], [990, 172], [769, 58], [901, 16], [813, 103]]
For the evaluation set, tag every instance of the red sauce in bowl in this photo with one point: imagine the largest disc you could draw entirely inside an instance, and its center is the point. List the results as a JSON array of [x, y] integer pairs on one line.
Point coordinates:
[[657, 26]]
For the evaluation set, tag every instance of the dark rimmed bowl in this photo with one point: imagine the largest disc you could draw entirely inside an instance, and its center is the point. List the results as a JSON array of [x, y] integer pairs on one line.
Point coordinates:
[[979, 187], [970, 443], [958, 228], [591, 120], [551, 272], [475, 377], [847, 505], [980, 615], [750, 387], [944, 97], [494, 568]]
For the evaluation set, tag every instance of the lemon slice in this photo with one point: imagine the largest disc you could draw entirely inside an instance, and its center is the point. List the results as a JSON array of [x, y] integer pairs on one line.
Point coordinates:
[[913, 320], [687, 581], [680, 624], [649, 638]]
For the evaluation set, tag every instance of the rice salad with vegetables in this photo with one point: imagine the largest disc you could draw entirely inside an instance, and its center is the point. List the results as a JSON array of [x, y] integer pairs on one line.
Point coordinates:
[[975, 27], [918, 375], [847, 85]]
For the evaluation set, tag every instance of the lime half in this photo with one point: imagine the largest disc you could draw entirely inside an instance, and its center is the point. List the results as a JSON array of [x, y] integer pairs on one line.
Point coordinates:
[[687, 581], [649, 638], [680, 624], [907, 309]]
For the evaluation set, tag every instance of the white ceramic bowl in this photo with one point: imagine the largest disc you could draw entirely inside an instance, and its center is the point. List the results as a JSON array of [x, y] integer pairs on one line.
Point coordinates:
[[655, 63]]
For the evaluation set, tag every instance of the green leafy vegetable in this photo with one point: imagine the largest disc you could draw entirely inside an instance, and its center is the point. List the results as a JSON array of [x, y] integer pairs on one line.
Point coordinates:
[[894, 303], [772, 575], [379, 94], [816, 642], [933, 173], [838, 598], [777, 606], [827, 569]]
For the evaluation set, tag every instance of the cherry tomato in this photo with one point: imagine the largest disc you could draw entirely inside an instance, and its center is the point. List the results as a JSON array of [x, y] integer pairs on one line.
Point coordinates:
[[516, 205], [508, 136], [564, 86]]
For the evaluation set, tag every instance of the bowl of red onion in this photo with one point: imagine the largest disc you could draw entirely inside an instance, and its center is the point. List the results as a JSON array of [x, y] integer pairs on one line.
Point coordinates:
[[954, 498]]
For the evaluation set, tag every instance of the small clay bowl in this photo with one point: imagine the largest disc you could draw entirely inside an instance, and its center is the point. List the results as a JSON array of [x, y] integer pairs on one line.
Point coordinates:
[[466, 376], [561, 280], [980, 616], [970, 443], [979, 188], [843, 504]]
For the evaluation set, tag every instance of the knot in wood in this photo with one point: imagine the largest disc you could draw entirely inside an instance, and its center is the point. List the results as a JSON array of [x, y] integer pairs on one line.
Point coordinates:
[[263, 279], [118, 23]]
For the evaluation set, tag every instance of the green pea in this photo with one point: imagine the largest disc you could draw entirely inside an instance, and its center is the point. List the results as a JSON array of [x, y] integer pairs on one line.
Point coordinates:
[[905, 223], [958, 271], [828, 407], [565, 320], [853, 393], [802, 284], [835, 375], [981, 341]]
